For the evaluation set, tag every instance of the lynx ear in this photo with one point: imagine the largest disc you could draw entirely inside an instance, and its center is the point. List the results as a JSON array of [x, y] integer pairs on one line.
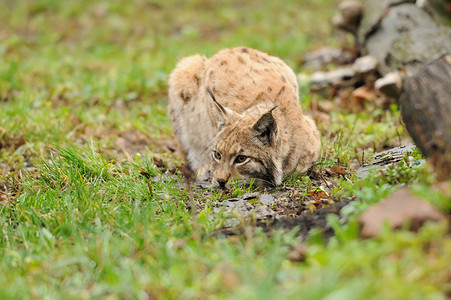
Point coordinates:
[[266, 128], [223, 112]]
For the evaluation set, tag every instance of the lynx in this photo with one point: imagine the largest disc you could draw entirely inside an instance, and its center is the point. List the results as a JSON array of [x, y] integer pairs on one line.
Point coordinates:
[[237, 115]]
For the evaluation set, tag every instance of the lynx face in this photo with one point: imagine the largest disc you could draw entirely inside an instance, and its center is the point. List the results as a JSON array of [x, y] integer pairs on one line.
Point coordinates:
[[242, 149]]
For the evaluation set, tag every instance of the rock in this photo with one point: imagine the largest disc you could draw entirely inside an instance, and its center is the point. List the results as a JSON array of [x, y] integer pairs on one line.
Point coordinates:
[[364, 69], [321, 82], [339, 77], [324, 56], [421, 3], [396, 210], [365, 64], [390, 85], [266, 199], [400, 34], [412, 43], [386, 159], [426, 109], [349, 16], [253, 205]]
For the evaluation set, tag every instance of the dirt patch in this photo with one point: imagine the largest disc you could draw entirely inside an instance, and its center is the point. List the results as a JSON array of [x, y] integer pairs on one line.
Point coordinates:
[[304, 222], [301, 204]]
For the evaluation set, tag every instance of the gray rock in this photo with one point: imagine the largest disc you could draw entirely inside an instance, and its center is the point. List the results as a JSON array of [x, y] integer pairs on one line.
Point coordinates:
[[390, 85], [365, 64], [335, 77], [252, 205], [373, 12], [324, 56], [349, 16], [266, 199], [385, 159], [400, 34]]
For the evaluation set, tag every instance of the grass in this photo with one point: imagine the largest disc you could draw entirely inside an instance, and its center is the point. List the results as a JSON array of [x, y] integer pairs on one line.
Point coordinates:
[[83, 89]]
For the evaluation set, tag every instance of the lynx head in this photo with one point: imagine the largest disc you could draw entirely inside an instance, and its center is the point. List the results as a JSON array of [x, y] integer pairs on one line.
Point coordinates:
[[244, 149]]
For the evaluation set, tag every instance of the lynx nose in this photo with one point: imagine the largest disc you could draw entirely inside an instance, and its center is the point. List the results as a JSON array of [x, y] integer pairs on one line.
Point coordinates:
[[222, 176], [222, 183]]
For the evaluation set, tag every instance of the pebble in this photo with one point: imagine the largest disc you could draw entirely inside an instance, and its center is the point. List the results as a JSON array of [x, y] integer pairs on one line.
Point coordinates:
[[337, 76], [349, 16], [365, 64], [390, 85]]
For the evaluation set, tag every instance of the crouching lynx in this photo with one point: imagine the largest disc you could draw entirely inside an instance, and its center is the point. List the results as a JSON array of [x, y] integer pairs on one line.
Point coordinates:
[[237, 115]]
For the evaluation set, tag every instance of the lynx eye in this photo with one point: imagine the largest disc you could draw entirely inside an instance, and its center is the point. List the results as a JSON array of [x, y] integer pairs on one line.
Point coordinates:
[[241, 159], [216, 155]]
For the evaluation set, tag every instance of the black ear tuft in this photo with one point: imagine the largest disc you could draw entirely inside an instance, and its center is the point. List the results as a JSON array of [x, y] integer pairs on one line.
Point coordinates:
[[222, 112], [266, 128], [219, 106]]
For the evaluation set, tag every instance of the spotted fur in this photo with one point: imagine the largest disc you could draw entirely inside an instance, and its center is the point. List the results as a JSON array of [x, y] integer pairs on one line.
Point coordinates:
[[237, 115]]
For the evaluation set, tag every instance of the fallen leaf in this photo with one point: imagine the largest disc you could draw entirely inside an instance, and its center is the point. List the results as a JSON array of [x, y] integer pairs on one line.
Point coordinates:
[[360, 95], [396, 210], [327, 106], [319, 195], [320, 117], [338, 170]]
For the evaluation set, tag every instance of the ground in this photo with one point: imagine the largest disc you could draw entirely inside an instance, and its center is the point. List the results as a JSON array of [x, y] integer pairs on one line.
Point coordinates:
[[93, 199]]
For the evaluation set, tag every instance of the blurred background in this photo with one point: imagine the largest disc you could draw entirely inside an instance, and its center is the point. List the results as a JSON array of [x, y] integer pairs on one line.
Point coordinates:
[[81, 69]]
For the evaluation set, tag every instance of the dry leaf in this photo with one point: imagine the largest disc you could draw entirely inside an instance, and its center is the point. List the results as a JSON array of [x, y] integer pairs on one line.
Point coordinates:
[[396, 210], [338, 170]]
